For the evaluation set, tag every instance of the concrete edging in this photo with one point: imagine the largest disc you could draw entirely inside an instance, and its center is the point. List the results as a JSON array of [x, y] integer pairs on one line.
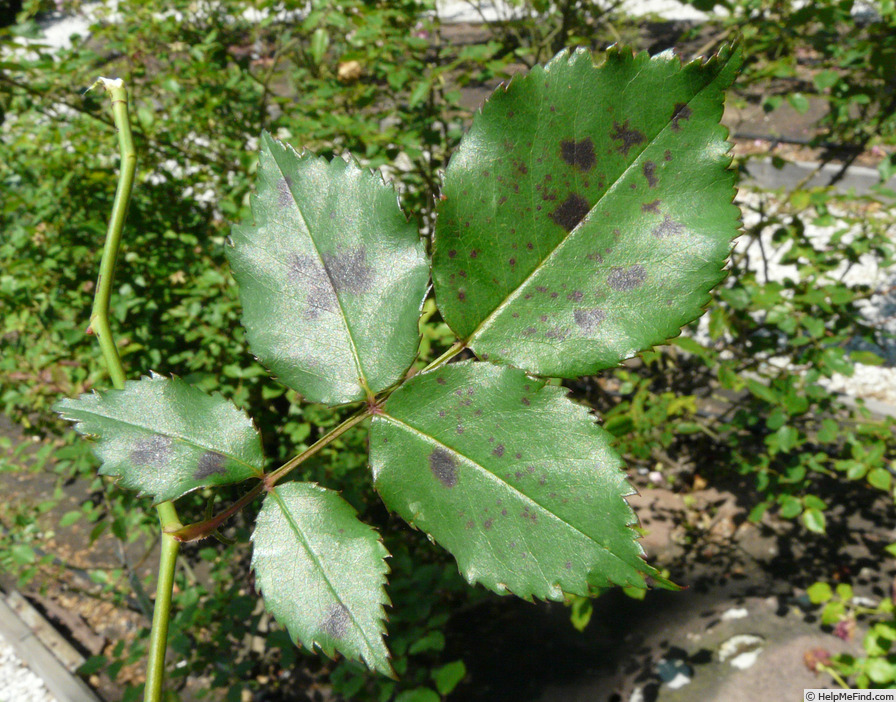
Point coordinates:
[[43, 649]]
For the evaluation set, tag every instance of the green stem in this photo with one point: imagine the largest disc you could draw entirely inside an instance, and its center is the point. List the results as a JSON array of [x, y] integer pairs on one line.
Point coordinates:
[[271, 478], [834, 674], [200, 530], [99, 325], [455, 349], [158, 636]]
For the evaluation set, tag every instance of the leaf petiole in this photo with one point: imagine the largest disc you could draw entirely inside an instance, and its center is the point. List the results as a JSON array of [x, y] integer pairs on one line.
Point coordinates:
[[205, 528]]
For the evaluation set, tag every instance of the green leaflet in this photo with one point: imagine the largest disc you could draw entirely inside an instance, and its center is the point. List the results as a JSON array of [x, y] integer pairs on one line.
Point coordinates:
[[321, 572], [165, 437], [587, 213], [510, 476], [331, 274]]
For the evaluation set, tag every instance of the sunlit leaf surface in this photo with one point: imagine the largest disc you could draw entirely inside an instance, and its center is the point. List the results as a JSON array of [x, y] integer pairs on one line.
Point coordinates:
[[164, 437], [321, 572], [512, 477], [331, 275], [587, 213]]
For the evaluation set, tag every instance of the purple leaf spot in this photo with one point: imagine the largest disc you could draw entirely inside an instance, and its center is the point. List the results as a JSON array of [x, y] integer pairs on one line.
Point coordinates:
[[284, 192], [570, 212], [650, 174], [348, 271], [668, 228], [335, 624], [651, 207], [589, 320], [498, 450], [210, 463], [681, 113], [308, 274], [625, 279], [579, 154], [153, 452], [626, 136], [442, 465]]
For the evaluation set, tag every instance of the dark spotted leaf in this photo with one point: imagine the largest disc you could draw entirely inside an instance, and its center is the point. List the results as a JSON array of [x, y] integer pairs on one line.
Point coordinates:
[[588, 211], [321, 572], [164, 437], [512, 477], [331, 274]]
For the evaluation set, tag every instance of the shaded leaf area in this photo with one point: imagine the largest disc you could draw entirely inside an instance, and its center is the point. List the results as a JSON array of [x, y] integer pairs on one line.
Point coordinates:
[[512, 477], [322, 573], [331, 275], [164, 437], [588, 211]]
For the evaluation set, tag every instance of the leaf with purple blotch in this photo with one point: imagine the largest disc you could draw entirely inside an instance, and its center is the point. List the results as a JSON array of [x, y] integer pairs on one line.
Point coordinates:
[[512, 477], [332, 276], [164, 437], [322, 573], [588, 212]]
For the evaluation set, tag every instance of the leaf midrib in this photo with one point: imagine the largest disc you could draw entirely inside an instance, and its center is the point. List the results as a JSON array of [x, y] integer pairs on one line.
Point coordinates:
[[438, 443], [362, 377], [517, 291], [300, 535], [257, 471]]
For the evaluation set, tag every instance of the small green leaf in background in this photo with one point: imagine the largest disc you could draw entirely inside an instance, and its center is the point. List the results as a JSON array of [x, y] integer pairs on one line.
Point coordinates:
[[448, 676], [420, 694], [819, 593], [321, 572], [790, 507], [588, 212], [880, 478], [814, 520], [164, 437], [432, 641], [331, 275], [798, 102], [23, 554], [581, 609], [320, 42], [825, 79], [510, 476]]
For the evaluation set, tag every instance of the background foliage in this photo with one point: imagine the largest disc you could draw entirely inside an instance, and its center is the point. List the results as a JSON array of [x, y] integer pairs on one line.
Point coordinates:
[[384, 80]]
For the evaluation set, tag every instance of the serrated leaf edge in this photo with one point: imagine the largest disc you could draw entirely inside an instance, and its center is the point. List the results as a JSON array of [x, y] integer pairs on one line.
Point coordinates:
[[726, 54], [585, 415], [383, 603], [348, 160], [62, 406]]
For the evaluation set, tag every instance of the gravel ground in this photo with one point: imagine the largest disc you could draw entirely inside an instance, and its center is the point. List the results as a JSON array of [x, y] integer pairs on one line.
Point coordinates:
[[17, 682]]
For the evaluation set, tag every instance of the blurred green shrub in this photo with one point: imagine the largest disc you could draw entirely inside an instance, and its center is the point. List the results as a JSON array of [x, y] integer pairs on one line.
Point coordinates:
[[842, 52]]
